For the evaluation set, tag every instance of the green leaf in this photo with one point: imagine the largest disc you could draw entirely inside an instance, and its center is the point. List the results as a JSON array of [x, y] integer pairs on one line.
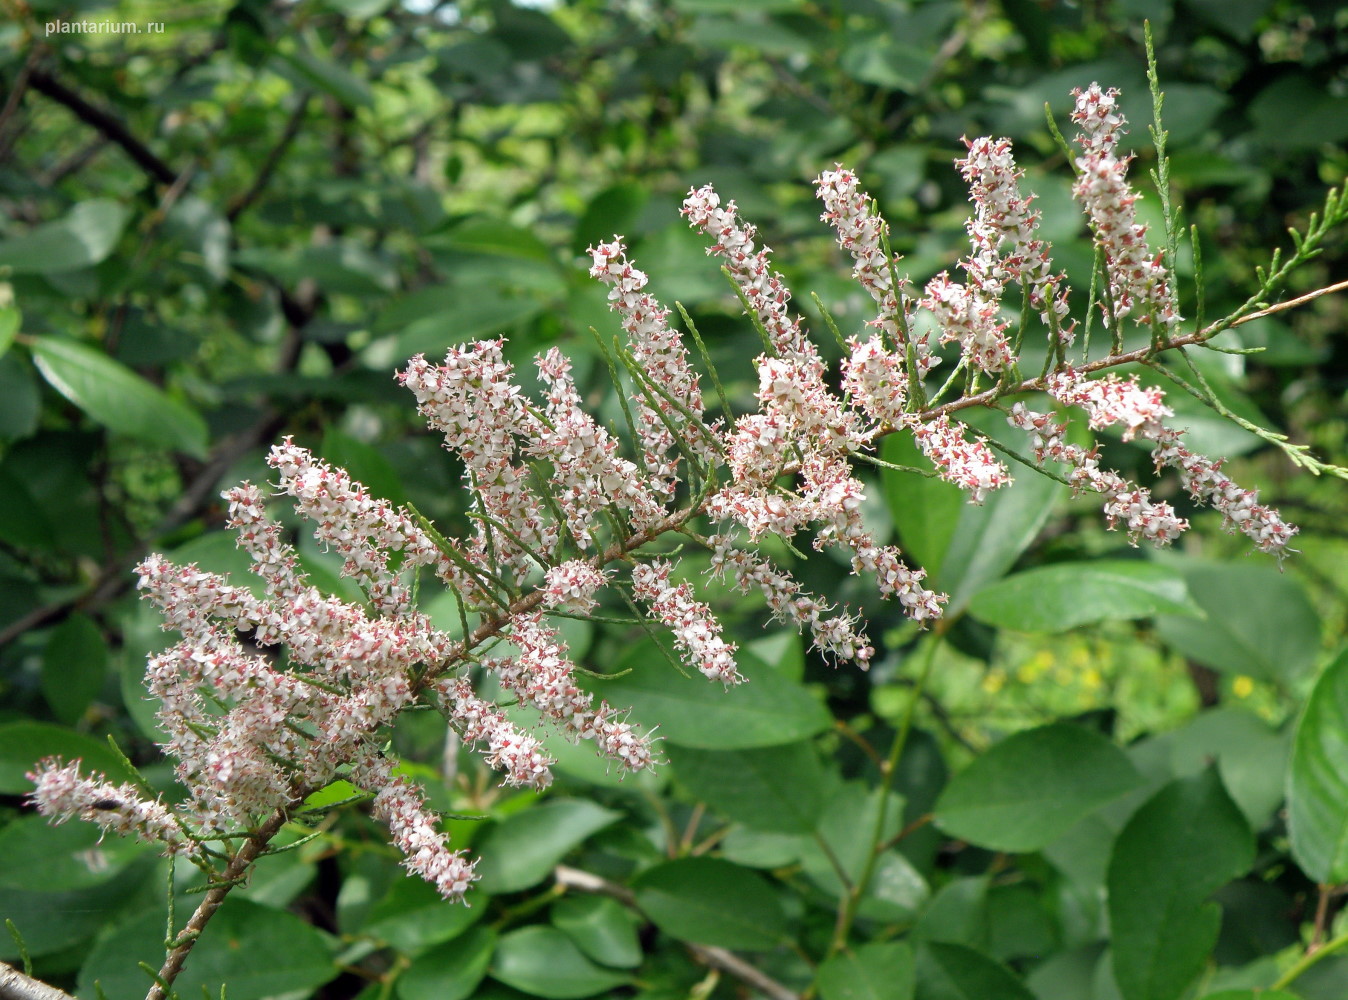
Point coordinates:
[[767, 788], [522, 849], [365, 463], [450, 971], [1033, 786], [695, 712], [954, 972], [1317, 786], [39, 857], [23, 744], [1258, 621], [329, 77], [544, 962], [412, 917], [74, 665], [118, 398], [84, 237], [470, 313], [255, 951], [1250, 995], [848, 827], [1251, 758], [53, 921], [881, 971], [611, 212], [709, 901], [1183, 844], [20, 400], [602, 928], [10, 321], [1065, 595]]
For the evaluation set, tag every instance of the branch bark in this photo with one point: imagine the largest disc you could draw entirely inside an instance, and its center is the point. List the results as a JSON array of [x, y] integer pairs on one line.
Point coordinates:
[[14, 985], [106, 122]]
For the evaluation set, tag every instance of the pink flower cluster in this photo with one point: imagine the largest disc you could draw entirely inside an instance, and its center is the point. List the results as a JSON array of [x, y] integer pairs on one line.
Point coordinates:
[[1124, 501], [63, 793], [663, 358], [540, 675], [1002, 230], [696, 631], [399, 804], [1139, 284], [1141, 412], [269, 696], [851, 213]]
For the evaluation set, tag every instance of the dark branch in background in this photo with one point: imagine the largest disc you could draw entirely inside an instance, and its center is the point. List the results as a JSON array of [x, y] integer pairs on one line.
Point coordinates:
[[16, 93], [244, 201], [106, 122]]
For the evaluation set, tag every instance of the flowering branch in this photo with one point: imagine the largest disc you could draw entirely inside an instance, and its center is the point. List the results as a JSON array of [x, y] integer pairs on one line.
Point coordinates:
[[560, 514]]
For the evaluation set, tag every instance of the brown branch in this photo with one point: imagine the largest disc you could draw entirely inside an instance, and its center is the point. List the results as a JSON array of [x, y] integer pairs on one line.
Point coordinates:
[[14, 985], [214, 898], [1141, 354], [107, 123], [16, 92]]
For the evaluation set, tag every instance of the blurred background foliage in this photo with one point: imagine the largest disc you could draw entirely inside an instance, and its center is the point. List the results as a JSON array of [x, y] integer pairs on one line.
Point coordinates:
[[237, 227]]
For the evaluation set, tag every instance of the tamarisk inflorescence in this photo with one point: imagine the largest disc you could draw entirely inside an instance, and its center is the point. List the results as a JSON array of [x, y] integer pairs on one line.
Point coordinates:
[[565, 512]]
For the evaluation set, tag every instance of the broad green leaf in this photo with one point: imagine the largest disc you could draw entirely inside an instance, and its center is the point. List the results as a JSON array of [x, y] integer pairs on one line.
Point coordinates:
[[450, 971], [10, 321], [1317, 786], [476, 312], [760, 849], [23, 744], [767, 788], [1251, 758], [1250, 995], [365, 463], [709, 901], [695, 712], [254, 951], [1183, 844], [849, 827], [1258, 621], [486, 235], [957, 913], [361, 9], [881, 971], [954, 972], [1065, 595], [611, 212], [522, 849], [602, 928], [1033, 786], [74, 665], [20, 400], [39, 857], [544, 962], [412, 917], [329, 77], [925, 509], [52, 921], [117, 397], [84, 237]]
